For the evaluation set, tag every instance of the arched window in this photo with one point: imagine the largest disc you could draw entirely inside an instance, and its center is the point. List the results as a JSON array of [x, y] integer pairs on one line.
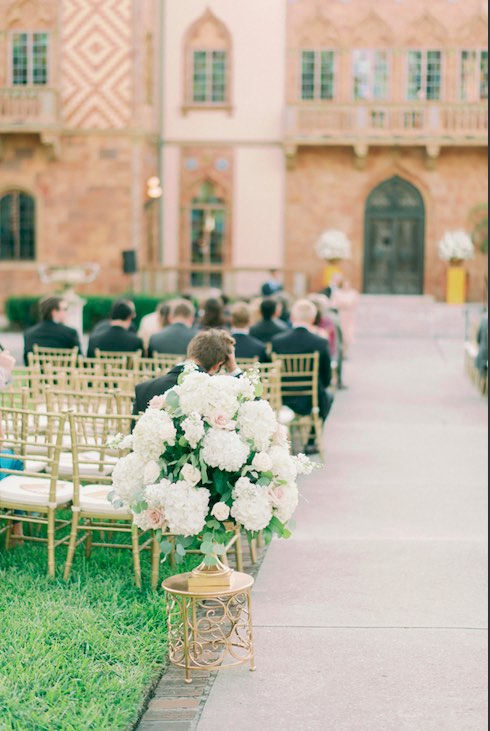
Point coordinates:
[[208, 64], [17, 226], [208, 234]]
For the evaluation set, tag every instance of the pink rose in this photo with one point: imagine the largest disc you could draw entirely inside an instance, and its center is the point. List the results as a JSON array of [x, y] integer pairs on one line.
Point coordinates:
[[156, 518], [220, 421], [276, 495], [157, 402]]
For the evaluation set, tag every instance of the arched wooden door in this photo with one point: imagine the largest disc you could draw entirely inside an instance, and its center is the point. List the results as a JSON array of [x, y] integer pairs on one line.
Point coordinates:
[[394, 239]]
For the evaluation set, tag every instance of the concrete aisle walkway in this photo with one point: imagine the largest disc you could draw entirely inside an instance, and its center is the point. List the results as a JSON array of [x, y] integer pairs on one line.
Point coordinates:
[[373, 616]]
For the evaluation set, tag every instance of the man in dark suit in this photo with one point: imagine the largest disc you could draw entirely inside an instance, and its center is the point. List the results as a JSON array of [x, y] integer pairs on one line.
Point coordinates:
[[175, 339], [301, 341], [270, 325], [117, 338], [246, 345], [106, 324], [210, 351], [51, 331]]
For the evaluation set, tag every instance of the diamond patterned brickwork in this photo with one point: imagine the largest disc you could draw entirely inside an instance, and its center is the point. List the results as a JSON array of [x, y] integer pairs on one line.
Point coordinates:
[[96, 63]]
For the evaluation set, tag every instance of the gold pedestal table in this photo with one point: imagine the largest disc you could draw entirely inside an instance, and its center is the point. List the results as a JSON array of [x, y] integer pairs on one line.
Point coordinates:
[[210, 630]]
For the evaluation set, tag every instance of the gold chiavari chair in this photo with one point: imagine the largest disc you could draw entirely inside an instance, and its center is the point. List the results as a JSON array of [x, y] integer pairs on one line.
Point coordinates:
[[120, 381], [25, 496], [148, 369], [300, 380], [92, 513], [122, 361], [167, 361], [56, 357], [36, 382], [270, 377]]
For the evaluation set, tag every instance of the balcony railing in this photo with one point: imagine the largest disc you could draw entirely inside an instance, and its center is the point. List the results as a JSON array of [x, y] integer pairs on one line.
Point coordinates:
[[28, 109], [384, 123]]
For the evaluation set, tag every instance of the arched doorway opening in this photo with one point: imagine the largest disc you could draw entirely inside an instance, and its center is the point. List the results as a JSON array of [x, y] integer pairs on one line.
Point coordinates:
[[394, 245]]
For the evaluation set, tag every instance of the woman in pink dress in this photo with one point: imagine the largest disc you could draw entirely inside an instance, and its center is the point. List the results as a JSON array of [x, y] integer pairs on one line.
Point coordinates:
[[345, 299]]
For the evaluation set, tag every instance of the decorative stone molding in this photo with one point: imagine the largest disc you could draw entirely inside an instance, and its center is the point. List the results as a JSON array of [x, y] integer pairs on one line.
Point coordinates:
[[376, 29], [427, 30], [291, 154], [361, 152], [474, 33], [433, 153], [35, 13], [52, 141], [317, 32]]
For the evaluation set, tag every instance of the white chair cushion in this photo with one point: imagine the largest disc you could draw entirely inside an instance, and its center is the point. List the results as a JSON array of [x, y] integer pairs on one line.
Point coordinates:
[[33, 491], [93, 499], [89, 464]]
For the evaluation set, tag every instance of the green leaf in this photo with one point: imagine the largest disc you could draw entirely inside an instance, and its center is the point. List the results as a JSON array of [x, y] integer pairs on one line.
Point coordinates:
[[166, 547], [179, 548], [210, 561], [140, 507], [111, 496], [207, 549], [220, 482], [264, 482], [179, 559], [183, 442], [219, 549], [212, 523], [173, 399]]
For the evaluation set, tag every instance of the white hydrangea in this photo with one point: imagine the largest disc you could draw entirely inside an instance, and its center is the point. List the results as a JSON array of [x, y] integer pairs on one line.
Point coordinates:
[[285, 500], [193, 428], [456, 245], [252, 507], [262, 462], [257, 423], [246, 387], [155, 494], [192, 393], [127, 477], [283, 465], [154, 431], [186, 508], [225, 450], [222, 397]]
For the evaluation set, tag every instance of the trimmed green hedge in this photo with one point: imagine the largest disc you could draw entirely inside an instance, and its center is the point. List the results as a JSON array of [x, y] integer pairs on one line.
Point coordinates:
[[22, 312]]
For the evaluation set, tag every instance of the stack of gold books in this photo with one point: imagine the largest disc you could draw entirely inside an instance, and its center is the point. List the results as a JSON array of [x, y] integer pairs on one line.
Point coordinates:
[[209, 580]]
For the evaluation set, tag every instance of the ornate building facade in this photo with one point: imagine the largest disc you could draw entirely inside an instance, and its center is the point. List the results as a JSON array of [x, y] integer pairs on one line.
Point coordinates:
[[266, 123], [79, 95]]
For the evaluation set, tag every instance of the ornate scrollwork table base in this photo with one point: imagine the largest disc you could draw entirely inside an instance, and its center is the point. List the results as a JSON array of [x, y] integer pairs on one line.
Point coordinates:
[[211, 630]]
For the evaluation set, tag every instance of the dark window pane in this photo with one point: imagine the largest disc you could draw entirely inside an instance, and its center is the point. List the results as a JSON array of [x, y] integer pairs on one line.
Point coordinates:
[[40, 58], [199, 77], [414, 91], [20, 67], [308, 75], [434, 67], [219, 77], [327, 80], [17, 226], [484, 75]]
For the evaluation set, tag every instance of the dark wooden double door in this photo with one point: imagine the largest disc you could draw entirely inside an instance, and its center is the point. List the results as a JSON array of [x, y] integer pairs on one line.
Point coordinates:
[[394, 240]]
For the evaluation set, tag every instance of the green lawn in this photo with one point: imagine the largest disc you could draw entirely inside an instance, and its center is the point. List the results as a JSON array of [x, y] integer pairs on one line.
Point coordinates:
[[79, 655]]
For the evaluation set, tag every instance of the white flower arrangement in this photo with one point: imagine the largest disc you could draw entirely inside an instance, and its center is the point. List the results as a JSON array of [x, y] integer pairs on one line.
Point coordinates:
[[206, 454], [456, 245], [334, 245]]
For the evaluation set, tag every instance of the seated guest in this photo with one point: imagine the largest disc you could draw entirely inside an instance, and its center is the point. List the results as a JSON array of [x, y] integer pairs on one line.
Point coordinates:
[[214, 315], [9, 462], [117, 338], [246, 345], [210, 351], [175, 338], [106, 324], [51, 331], [270, 325], [273, 284], [7, 363], [301, 340], [154, 322]]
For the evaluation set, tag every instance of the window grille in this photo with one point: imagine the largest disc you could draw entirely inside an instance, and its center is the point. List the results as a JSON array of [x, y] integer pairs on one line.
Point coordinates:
[[371, 70], [424, 75], [210, 70], [317, 75], [17, 227], [474, 76], [30, 59]]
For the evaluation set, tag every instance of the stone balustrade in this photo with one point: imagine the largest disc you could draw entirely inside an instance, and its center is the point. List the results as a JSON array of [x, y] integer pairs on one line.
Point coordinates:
[[386, 124], [29, 108]]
